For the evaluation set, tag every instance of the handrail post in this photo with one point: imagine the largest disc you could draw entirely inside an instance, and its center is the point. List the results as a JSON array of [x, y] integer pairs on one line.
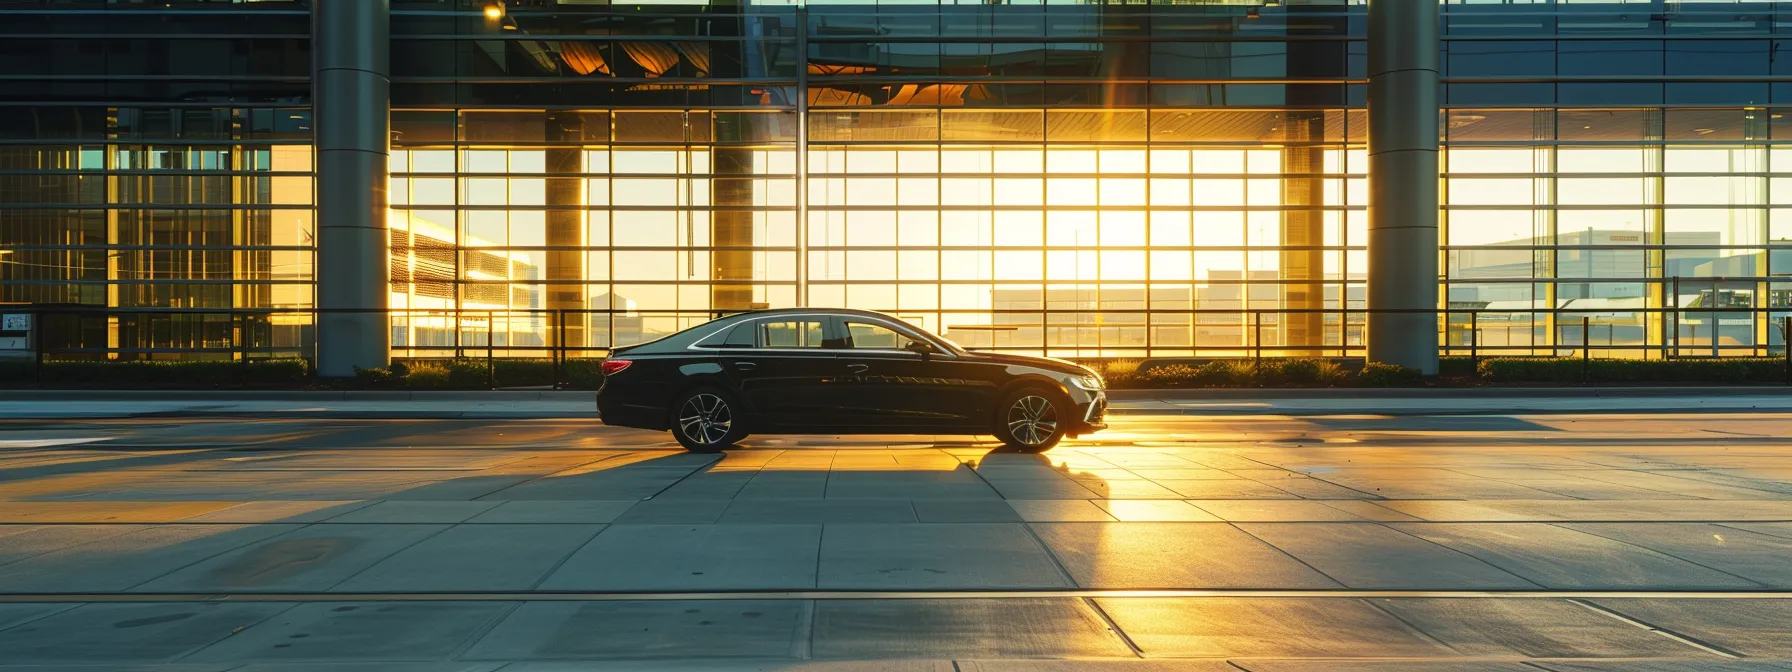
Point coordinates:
[[1586, 349], [559, 350], [238, 336], [1786, 344], [37, 346], [1474, 341], [491, 367], [1257, 341]]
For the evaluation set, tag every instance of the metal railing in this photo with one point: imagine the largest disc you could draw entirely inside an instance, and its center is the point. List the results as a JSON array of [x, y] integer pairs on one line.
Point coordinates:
[[562, 335]]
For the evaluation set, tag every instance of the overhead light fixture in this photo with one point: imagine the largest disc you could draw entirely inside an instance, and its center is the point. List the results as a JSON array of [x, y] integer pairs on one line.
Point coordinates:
[[494, 11]]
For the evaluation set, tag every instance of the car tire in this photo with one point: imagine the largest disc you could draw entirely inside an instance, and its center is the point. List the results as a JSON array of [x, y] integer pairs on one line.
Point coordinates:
[[1032, 419], [707, 420]]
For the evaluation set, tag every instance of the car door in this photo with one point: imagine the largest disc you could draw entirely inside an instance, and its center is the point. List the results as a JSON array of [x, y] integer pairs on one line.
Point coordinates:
[[784, 375], [888, 385]]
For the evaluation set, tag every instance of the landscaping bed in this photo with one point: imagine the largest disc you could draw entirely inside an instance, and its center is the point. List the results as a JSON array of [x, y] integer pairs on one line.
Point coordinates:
[[1121, 374]]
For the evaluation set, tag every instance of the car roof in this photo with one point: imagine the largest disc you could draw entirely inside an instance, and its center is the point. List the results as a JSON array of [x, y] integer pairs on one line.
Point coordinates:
[[809, 311]]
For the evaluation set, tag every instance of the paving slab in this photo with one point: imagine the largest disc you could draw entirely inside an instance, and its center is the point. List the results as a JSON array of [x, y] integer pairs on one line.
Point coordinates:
[[935, 556], [674, 512], [474, 557], [777, 484], [1154, 510], [990, 510], [280, 512], [731, 630], [707, 485], [369, 667], [957, 483], [1664, 666], [1557, 557], [819, 511], [119, 562], [1059, 510], [1378, 666], [971, 628], [616, 484], [415, 512], [129, 633], [1087, 665], [554, 512], [24, 541], [1760, 628], [1373, 556], [1266, 627], [1239, 488], [1272, 511], [692, 557], [1533, 628], [1760, 558], [1305, 486], [742, 666], [1370, 510], [359, 632], [314, 558], [1173, 555], [1056, 487], [18, 613], [16, 512]]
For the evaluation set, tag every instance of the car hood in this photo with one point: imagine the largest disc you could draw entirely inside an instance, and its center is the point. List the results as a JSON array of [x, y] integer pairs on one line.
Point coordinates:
[[1047, 363]]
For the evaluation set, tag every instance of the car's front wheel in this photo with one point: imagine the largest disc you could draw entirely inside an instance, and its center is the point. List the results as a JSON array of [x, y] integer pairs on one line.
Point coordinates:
[[706, 420], [1032, 420]]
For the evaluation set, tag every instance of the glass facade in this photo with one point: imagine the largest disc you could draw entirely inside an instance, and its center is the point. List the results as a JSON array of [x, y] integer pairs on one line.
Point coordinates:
[[1077, 179]]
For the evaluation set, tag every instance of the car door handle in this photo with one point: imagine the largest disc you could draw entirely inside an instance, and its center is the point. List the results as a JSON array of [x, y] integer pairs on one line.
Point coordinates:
[[745, 366], [859, 368]]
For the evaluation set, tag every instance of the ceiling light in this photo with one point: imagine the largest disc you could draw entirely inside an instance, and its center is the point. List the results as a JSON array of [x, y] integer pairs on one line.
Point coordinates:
[[494, 11]]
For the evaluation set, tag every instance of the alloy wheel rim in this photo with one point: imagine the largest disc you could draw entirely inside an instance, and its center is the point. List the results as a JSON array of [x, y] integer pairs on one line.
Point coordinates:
[[1032, 420], [705, 419]]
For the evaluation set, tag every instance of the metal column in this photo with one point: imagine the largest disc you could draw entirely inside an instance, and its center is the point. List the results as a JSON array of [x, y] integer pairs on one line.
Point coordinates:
[[1403, 182], [350, 95]]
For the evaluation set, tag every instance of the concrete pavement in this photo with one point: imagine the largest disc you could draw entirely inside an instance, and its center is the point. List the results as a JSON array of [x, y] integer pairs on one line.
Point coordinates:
[[1267, 543]]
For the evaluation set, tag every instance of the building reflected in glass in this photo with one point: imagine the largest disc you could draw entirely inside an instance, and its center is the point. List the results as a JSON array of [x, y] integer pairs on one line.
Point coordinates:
[[1077, 179]]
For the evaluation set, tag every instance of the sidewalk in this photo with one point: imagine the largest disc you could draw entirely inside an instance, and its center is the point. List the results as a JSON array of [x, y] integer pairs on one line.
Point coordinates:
[[545, 404]]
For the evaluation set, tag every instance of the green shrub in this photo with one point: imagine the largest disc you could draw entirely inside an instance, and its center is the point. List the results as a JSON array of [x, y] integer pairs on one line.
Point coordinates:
[[1227, 373], [1119, 372], [1171, 375], [425, 375], [582, 374], [1381, 374], [1456, 367], [1301, 372]]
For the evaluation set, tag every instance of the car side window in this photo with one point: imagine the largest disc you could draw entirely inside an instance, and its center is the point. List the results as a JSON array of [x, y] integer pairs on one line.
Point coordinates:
[[872, 336], [801, 333], [737, 336]]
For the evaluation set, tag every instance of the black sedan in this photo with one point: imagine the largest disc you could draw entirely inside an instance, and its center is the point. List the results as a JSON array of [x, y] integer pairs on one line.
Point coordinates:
[[834, 371]]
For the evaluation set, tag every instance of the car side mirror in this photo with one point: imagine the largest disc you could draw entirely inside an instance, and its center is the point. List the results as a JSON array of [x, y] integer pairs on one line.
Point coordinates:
[[924, 349]]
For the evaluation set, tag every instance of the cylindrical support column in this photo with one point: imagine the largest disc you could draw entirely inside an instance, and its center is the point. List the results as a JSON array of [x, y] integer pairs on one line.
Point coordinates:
[[1403, 184], [350, 94]]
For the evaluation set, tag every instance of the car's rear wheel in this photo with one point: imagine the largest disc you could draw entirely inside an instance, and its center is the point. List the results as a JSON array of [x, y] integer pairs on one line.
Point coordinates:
[[1032, 420], [706, 420]]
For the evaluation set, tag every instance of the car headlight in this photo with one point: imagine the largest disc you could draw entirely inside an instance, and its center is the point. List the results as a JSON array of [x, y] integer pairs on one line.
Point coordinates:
[[1090, 382]]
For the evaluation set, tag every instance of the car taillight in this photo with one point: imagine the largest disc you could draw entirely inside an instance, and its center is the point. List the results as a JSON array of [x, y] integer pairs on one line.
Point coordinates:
[[615, 366]]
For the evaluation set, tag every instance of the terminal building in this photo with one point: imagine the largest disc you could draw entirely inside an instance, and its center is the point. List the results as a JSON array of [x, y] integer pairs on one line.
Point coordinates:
[[362, 179]]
